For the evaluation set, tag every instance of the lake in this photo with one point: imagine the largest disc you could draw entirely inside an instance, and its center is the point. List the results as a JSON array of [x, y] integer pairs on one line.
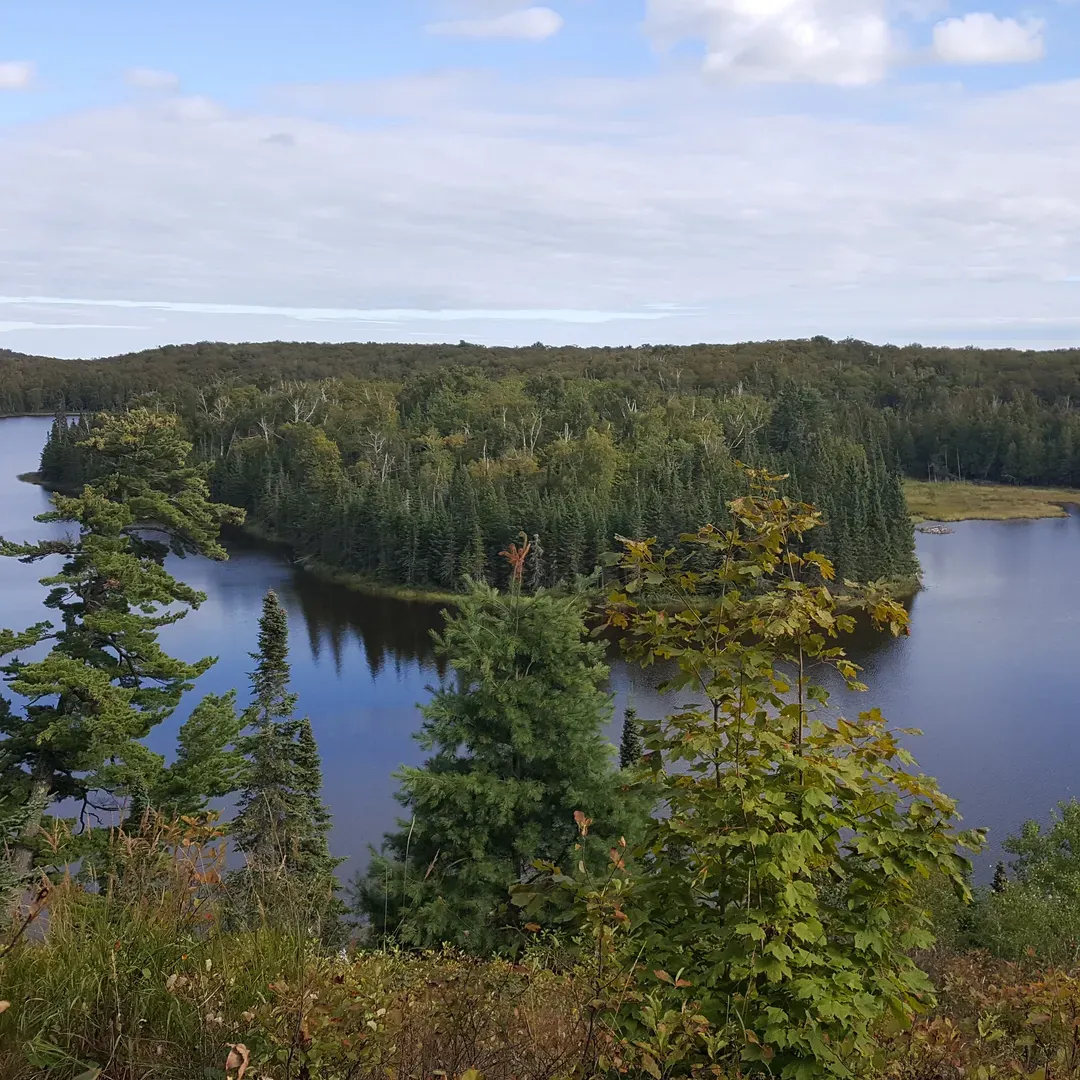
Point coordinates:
[[989, 673]]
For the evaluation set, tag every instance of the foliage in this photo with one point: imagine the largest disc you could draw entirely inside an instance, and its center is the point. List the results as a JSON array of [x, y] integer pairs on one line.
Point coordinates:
[[774, 912], [517, 747], [106, 681], [1033, 916], [144, 977], [979, 414], [282, 823], [424, 483], [993, 1020], [1049, 860]]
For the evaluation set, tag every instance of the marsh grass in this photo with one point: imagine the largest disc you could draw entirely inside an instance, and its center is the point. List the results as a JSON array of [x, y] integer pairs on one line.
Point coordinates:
[[956, 501]]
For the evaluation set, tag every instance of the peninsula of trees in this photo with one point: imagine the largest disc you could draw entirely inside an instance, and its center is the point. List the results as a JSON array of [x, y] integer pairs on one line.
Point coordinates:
[[423, 483]]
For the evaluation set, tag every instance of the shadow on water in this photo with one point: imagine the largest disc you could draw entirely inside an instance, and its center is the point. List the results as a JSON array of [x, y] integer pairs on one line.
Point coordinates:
[[391, 632]]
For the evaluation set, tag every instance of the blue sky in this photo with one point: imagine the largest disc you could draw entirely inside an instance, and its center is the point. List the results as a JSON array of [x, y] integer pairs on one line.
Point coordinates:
[[589, 171]]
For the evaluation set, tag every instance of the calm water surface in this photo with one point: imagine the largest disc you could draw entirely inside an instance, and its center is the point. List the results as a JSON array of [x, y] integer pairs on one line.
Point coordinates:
[[989, 673]]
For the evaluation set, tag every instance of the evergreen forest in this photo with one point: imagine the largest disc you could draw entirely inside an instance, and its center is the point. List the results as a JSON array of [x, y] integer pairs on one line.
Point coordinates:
[[424, 484]]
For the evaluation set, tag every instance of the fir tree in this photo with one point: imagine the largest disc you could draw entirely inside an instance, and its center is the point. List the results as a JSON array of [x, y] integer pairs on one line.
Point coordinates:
[[517, 748]]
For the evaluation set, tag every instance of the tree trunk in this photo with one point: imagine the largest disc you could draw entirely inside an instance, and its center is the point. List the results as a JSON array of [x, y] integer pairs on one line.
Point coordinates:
[[39, 799]]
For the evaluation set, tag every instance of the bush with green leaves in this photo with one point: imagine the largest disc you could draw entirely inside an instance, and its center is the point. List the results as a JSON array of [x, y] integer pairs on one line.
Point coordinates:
[[1034, 914], [770, 916]]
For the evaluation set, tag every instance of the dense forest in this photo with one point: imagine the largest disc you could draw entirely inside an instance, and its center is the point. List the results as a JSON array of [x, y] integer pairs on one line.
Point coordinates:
[[981, 414], [425, 482]]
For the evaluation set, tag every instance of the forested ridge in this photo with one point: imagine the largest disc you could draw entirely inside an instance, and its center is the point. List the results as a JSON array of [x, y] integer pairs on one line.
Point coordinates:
[[985, 414]]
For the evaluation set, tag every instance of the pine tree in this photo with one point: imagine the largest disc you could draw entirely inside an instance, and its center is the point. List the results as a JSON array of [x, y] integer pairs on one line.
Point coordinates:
[[630, 746], [517, 747], [106, 682]]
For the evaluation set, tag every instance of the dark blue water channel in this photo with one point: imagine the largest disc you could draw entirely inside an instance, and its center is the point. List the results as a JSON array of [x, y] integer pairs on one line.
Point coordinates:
[[990, 671]]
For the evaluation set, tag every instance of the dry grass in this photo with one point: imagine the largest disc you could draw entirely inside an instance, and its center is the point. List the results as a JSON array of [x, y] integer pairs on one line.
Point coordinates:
[[141, 978], [955, 501]]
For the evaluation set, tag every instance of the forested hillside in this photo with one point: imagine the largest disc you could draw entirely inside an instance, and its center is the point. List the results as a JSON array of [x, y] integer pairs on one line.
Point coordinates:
[[982, 414], [426, 482]]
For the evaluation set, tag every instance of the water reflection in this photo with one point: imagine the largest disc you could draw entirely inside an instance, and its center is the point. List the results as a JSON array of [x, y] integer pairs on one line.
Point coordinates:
[[392, 633]]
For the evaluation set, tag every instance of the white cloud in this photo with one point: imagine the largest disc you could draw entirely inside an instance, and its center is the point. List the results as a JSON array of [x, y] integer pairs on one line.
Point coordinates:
[[842, 42], [530, 24], [982, 38], [564, 211], [356, 315], [151, 79], [16, 74]]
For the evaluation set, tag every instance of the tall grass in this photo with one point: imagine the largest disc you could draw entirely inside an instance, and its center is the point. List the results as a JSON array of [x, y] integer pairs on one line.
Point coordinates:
[[142, 972]]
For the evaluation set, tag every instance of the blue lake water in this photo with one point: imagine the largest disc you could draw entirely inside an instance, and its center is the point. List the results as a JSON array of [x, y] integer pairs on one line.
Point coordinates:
[[990, 672]]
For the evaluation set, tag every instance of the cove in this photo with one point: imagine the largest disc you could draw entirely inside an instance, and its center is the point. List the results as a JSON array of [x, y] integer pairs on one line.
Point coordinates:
[[989, 672]]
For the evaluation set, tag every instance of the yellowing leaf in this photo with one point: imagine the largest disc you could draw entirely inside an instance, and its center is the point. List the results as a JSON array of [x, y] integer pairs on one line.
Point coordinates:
[[648, 1063]]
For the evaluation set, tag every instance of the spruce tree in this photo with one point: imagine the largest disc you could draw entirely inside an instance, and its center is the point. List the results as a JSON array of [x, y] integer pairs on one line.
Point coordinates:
[[517, 747], [630, 746], [282, 824], [313, 859], [269, 808], [1001, 878]]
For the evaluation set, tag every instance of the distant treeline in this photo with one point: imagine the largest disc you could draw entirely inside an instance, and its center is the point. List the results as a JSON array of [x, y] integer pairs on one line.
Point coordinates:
[[983, 414], [425, 481]]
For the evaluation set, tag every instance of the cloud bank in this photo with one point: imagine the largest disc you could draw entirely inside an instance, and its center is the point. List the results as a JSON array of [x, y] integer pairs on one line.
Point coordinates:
[[575, 210]]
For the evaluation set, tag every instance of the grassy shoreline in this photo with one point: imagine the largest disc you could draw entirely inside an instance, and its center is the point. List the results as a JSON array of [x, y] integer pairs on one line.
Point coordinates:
[[334, 576], [959, 501]]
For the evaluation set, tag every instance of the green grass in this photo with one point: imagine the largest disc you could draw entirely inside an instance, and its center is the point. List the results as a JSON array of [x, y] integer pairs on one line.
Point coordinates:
[[954, 501]]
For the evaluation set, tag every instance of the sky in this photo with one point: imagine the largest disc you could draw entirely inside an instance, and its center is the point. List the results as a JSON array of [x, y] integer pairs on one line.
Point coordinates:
[[593, 172]]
